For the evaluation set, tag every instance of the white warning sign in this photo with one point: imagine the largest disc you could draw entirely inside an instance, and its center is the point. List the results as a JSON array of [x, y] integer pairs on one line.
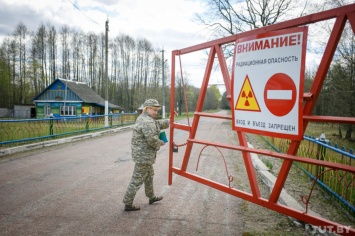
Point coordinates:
[[267, 83]]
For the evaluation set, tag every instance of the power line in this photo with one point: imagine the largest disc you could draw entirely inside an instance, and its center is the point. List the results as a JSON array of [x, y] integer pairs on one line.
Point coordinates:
[[83, 12]]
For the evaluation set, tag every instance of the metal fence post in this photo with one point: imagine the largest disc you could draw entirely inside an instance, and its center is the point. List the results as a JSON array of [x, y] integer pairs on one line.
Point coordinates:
[[87, 123], [320, 156], [51, 127]]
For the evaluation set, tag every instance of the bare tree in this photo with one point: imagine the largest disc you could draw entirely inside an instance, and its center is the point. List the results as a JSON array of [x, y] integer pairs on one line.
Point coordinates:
[[115, 71], [346, 57], [156, 72], [5, 75], [76, 53], [228, 17], [38, 59], [33, 71], [143, 67], [128, 70], [52, 51], [20, 36], [13, 53], [64, 37], [339, 86], [101, 65], [92, 41]]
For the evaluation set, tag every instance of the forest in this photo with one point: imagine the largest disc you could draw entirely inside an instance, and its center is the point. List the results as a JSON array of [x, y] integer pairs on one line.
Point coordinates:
[[32, 60]]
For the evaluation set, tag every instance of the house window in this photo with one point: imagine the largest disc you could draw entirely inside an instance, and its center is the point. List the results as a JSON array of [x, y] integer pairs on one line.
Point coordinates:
[[47, 110], [68, 111]]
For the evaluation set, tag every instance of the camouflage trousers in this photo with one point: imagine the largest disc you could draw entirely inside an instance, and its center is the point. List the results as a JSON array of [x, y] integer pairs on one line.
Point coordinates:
[[142, 174]]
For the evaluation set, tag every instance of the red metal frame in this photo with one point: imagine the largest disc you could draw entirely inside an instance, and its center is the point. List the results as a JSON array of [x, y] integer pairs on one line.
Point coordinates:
[[341, 15]]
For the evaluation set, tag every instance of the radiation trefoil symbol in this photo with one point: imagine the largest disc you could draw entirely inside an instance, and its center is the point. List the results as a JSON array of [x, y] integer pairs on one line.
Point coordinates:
[[246, 99]]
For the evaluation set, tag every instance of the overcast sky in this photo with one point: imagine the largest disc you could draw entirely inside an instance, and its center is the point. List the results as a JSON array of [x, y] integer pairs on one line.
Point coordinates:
[[163, 22], [167, 24]]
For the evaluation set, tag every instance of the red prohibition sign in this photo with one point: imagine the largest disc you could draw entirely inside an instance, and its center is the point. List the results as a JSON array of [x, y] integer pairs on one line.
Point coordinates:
[[280, 94]]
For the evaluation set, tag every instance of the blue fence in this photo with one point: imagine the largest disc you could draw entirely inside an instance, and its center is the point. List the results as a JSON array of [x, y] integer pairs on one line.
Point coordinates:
[[27, 130], [338, 184]]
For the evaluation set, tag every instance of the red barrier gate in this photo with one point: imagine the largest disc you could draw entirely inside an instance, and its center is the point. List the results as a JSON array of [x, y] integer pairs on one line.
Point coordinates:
[[341, 16]]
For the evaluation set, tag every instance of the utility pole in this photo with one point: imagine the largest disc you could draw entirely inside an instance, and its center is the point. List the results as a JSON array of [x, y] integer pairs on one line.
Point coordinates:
[[162, 53], [106, 75]]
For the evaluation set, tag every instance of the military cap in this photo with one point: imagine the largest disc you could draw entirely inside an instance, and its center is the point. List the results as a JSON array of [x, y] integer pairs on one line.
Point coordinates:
[[151, 103]]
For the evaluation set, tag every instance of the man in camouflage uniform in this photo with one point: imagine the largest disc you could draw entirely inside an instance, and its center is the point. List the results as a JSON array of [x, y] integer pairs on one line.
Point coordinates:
[[145, 144]]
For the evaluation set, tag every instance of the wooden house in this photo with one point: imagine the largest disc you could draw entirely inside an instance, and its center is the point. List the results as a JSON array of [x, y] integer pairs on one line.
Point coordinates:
[[70, 98]]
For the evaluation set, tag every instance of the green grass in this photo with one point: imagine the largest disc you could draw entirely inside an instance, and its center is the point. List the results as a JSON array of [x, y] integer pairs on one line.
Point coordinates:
[[268, 163], [331, 131]]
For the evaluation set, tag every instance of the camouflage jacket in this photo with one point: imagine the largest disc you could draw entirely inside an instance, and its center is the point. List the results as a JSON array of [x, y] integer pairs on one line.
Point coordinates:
[[145, 139]]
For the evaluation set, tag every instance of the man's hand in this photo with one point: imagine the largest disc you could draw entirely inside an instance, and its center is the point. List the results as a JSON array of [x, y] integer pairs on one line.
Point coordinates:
[[175, 114]]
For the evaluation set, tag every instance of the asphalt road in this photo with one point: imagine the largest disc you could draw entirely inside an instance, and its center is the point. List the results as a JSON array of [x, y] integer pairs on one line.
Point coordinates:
[[77, 189]]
